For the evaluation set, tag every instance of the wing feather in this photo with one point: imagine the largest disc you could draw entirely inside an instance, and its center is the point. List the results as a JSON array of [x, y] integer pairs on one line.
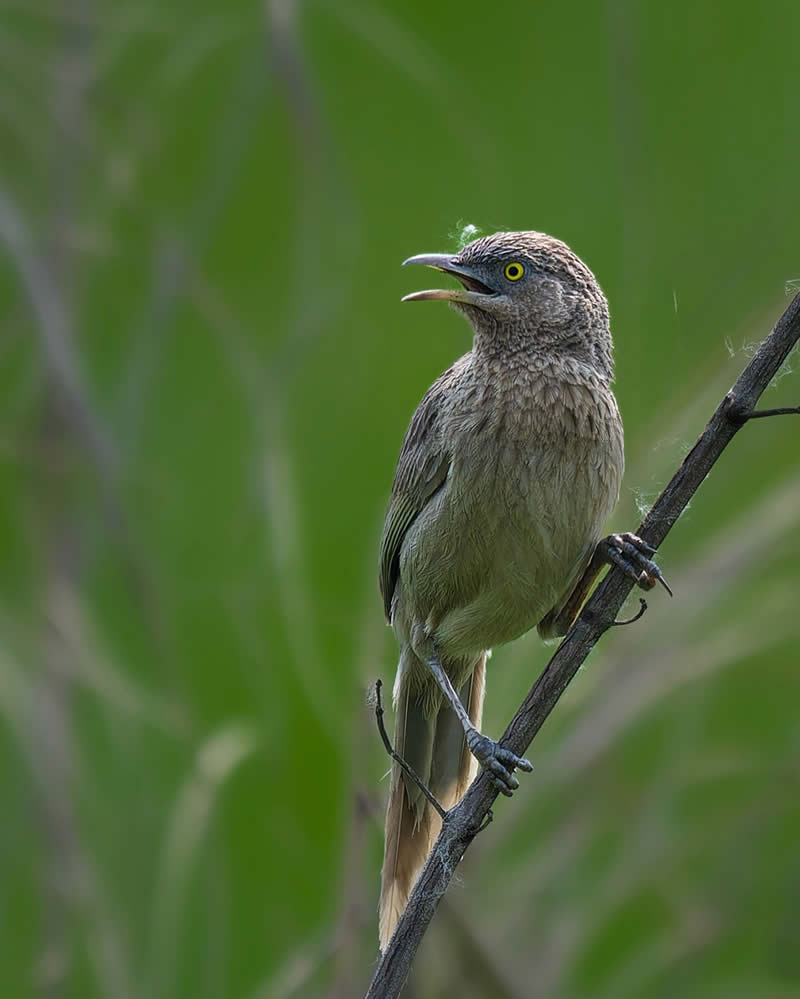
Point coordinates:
[[422, 470]]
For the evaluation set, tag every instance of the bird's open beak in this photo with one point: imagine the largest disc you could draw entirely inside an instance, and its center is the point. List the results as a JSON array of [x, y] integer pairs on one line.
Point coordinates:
[[474, 291]]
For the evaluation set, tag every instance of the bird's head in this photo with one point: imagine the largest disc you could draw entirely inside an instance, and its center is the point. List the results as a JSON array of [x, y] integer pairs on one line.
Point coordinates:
[[526, 286]]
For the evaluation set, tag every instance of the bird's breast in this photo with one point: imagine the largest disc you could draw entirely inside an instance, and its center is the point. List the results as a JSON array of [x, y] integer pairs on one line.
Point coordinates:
[[534, 475]]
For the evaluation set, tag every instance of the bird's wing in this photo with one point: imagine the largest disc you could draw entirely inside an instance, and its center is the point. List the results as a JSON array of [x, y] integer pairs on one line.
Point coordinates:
[[421, 472]]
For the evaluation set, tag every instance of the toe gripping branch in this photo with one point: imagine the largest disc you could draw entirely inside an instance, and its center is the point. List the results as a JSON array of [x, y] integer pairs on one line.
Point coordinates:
[[628, 552], [498, 761]]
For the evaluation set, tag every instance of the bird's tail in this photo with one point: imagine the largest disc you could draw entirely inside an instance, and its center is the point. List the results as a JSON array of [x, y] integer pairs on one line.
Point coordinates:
[[433, 744]]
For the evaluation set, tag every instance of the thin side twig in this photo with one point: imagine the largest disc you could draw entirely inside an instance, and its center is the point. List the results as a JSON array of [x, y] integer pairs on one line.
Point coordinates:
[[412, 773], [636, 617], [782, 411], [599, 613]]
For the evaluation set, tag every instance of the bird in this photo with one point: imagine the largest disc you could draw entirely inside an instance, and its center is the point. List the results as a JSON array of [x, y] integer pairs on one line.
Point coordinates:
[[510, 467]]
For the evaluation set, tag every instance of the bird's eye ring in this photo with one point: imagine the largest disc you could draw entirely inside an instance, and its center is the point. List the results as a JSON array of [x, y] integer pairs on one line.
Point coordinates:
[[514, 271]]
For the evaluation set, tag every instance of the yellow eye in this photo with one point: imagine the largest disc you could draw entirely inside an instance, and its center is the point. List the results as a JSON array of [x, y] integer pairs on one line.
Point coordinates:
[[514, 271]]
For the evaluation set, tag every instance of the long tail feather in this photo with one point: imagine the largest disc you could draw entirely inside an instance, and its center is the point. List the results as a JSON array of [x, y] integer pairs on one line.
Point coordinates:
[[435, 747]]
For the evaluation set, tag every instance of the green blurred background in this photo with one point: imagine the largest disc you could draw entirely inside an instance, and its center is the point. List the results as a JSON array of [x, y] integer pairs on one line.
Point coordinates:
[[206, 376]]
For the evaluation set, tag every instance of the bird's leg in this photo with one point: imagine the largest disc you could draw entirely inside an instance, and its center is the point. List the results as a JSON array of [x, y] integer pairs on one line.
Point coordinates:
[[498, 761], [559, 620], [627, 551]]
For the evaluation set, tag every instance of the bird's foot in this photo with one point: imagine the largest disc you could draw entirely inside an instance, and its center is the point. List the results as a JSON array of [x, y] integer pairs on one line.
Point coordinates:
[[499, 762], [634, 557]]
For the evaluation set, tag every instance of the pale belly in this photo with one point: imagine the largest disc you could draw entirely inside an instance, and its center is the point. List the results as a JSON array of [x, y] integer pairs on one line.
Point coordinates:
[[485, 563]]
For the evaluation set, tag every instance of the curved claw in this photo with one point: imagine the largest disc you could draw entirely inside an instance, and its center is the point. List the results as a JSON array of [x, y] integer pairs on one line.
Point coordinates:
[[498, 761], [631, 554]]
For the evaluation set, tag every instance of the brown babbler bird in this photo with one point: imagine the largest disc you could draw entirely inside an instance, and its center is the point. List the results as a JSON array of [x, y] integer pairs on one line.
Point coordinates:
[[510, 467]]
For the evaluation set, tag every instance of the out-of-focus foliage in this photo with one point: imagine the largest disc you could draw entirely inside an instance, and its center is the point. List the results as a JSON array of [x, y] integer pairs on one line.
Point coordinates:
[[206, 375]]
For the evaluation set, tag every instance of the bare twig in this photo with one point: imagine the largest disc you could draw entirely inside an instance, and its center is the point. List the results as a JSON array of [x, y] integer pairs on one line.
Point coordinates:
[[412, 773], [783, 411], [636, 617], [465, 819]]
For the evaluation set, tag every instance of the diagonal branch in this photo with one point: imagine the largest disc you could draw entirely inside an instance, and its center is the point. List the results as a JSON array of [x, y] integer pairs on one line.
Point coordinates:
[[464, 821]]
